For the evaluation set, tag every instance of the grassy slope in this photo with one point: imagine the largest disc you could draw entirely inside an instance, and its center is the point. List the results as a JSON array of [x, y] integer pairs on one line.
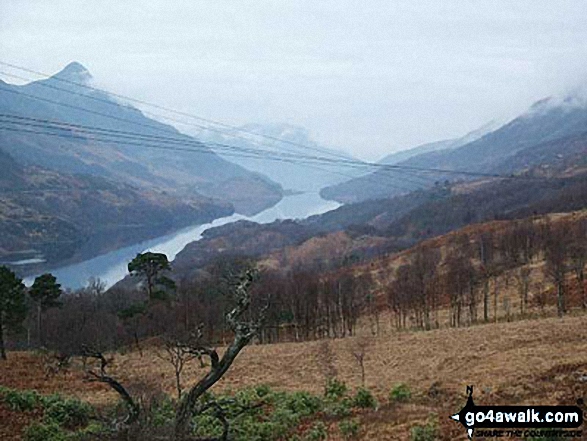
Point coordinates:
[[531, 361]]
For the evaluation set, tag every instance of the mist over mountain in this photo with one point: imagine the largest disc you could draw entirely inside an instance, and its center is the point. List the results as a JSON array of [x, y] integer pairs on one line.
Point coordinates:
[[548, 121], [79, 168], [147, 161], [284, 139]]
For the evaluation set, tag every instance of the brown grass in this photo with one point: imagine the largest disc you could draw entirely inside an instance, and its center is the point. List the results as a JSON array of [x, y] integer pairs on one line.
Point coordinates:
[[533, 361]]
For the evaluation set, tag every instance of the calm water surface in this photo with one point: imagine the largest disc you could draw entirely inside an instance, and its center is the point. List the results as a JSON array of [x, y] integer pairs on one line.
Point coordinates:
[[112, 267]]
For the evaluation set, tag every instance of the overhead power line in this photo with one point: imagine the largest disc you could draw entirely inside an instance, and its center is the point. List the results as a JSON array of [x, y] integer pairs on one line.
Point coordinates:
[[415, 171], [424, 180], [185, 141], [123, 137], [166, 109], [37, 129], [185, 114], [223, 132]]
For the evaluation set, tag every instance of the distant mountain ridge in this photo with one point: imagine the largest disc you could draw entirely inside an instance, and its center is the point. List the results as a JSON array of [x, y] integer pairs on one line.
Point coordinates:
[[547, 121], [447, 144], [148, 165], [384, 183], [297, 175]]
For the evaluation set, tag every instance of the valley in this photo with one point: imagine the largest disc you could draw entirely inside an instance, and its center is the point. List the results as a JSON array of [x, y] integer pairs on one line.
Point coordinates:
[[112, 266], [309, 221]]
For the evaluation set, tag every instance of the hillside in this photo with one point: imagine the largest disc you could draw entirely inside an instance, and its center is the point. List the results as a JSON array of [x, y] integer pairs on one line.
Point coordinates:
[[448, 144], [568, 154], [48, 216], [483, 299], [252, 240], [372, 228], [548, 126], [526, 362], [118, 142], [471, 243]]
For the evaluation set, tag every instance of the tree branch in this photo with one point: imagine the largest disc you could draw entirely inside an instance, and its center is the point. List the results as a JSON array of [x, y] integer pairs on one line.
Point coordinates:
[[244, 332], [102, 377]]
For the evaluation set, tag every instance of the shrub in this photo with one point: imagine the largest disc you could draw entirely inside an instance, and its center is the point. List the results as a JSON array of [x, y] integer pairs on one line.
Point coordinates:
[[263, 390], [349, 428], [259, 414], [249, 429], [318, 432], [302, 403], [400, 393], [48, 400], [339, 409], [426, 432], [246, 396], [93, 430], [208, 426], [284, 416], [161, 411], [44, 432], [21, 401], [69, 413], [334, 389], [364, 399]]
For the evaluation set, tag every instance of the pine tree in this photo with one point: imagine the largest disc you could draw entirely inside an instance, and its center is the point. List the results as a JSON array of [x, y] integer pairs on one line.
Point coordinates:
[[45, 292], [12, 304]]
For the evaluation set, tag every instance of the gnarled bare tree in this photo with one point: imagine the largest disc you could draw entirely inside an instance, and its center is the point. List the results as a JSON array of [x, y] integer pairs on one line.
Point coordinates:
[[244, 331]]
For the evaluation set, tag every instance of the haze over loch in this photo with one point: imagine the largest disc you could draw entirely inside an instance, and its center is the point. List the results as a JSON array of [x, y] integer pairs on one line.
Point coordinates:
[[293, 220]]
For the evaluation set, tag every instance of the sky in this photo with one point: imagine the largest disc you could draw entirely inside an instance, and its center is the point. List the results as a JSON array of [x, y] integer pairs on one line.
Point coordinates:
[[369, 77]]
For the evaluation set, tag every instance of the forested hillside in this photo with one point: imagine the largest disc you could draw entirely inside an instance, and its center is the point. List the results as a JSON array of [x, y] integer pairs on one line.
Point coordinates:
[[292, 221], [79, 166], [500, 270]]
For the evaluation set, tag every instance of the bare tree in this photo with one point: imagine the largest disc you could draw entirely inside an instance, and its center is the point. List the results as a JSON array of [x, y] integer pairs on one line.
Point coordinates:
[[485, 243], [400, 294], [496, 286], [460, 279], [178, 354], [424, 267], [523, 280], [556, 263], [578, 255], [359, 350], [244, 332]]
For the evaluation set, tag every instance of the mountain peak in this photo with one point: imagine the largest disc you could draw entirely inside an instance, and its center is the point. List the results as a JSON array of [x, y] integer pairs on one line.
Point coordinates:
[[74, 72]]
